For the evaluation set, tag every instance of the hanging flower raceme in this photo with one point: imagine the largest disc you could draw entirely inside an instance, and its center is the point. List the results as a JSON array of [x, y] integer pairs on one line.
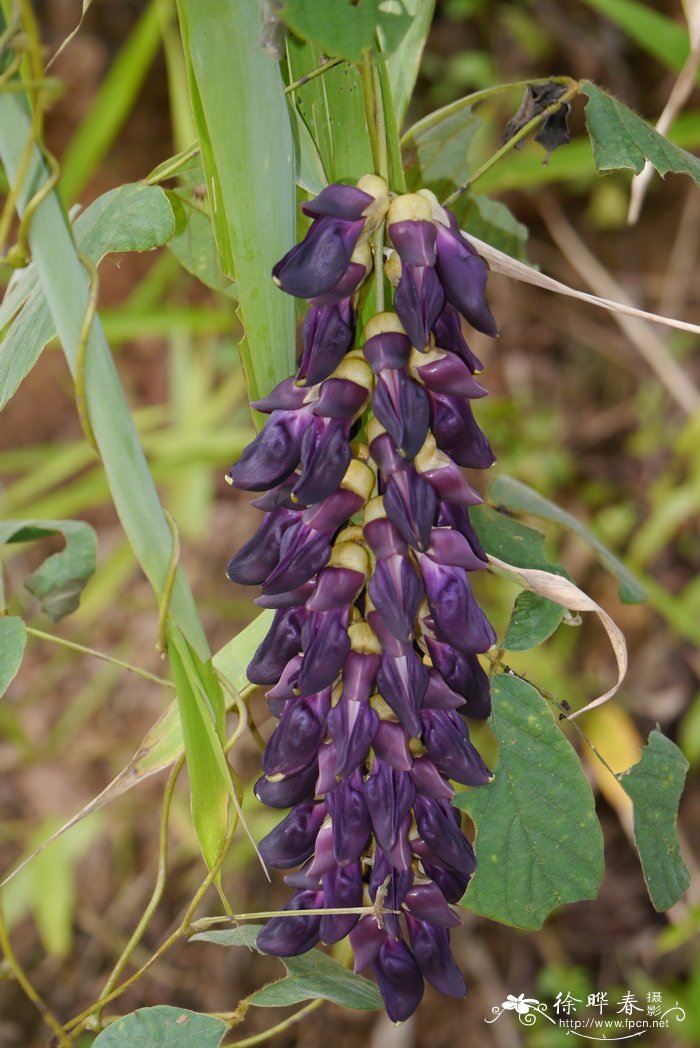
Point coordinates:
[[365, 553]]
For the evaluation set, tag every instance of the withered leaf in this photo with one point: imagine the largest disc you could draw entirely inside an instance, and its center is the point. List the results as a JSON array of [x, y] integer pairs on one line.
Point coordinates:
[[554, 131]]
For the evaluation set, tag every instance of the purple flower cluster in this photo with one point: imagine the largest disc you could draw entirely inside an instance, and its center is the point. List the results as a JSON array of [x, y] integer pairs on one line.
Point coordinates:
[[365, 553]]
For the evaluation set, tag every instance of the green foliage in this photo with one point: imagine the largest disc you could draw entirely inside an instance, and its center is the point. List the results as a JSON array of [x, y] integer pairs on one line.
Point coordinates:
[[346, 29], [538, 841], [509, 540], [13, 638], [532, 621], [653, 31], [439, 148], [655, 785], [163, 1027], [249, 167], [620, 138], [309, 976], [193, 241], [404, 62], [517, 497], [131, 218], [60, 580], [492, 221]]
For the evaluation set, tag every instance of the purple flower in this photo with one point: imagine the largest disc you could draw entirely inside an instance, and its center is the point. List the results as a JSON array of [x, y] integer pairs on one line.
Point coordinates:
[[400, 979], [289, 936]]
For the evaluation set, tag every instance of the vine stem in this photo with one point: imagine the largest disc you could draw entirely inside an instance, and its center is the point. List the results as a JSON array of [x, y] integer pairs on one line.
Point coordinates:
[[74, 646], [32, 994], [524, 131], [258, 1038], [313, 74]]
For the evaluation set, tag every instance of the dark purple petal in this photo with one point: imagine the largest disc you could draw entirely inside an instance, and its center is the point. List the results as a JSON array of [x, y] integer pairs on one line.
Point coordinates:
[[340, 398], [335, 510], [450, 483], [390, 795], [389, 643], [323, 859], [341, 887], [414, 239], [345, 288], [314, 266], [303, 552], [428, 780], [289, 936], [450, 516], [383, 538], [277, 497], [431, 949], [281, 643], [350, 819], [287, 599], [399, 978], [284, 397], [274, 453], [418, 301], [327, 334], [325, 643], [447, 742], [335, 588], [391, 746], [389, 349], [410, 503], [286, 687], [366, 940], [403, 408], [402, 683], [450, 547], [257, 558], [338, 200], [448, 336], [458, 618], [448, 374], [457, 432], [463, 275], [292, 840], [427, 903], [285, 793], [393, 884], [359, 674], [327, 780], [325, 457], [439, 695], [352, 727], [294, 743], [386, 455], [436, 826], [396, 592]]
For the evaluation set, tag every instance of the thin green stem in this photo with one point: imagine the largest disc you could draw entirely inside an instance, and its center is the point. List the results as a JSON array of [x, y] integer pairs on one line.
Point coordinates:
[[171, 575], [81, 352], [74, 646], [31, 993], [512, 143], [169, 168], [259, 1038], [313, 74]]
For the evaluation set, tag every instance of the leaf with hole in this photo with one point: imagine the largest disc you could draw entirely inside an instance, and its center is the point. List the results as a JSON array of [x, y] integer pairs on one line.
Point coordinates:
[[538, 841], [62, 577], [655, 785], [309, 976], [163, 1027]]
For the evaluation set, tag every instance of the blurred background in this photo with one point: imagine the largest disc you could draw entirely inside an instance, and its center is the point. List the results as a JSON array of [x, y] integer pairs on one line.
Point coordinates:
[[580, 409]]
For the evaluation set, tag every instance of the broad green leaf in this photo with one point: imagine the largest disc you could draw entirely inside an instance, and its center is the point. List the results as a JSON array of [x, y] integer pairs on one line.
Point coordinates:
[[511, 541], [162, 745], [312, 975], [311, 174], [517, 497], [346, 29], [65, 283], [193, 242], [532, 620], [657, 34], [437, 151], [245, 137], [620, 138], [538, 841], [655, 785], [60, 580], [332, 108], [163, 1027], [131, 218], [403, 64], [13, 638], [201, 708], [113, 103], [492, 221]]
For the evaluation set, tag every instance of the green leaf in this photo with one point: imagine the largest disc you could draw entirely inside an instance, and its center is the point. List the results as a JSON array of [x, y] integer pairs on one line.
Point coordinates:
[[60, 580], [538, 842], [193, 242], [437, 155], [404, 63], [509, 540], [620, 138], [245, 136], [347, 29], [202, 711], [532, 620], [654, 32], [163, 1027], [492, 221], [131, 218], [655, 785], [13, 638], [517, 497], [311, 174], [331, 106], [312, 975]]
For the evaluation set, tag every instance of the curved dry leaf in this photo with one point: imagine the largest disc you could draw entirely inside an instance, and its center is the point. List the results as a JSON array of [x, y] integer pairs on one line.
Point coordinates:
[[564, 593], [500, 262]]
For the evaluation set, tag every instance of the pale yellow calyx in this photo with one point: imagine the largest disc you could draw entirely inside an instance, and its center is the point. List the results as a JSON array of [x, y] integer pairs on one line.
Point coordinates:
[[374, 213], [392, 269], [360, 450], [350, 555], [362, 255], [353, 533], [374, 510], [411, 207], [382, 707], [416, 747], [374, 429], [363, 639], [438, 213], [430, 457], [380, 323], [373, 185], [359, 479], [355, 368]]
